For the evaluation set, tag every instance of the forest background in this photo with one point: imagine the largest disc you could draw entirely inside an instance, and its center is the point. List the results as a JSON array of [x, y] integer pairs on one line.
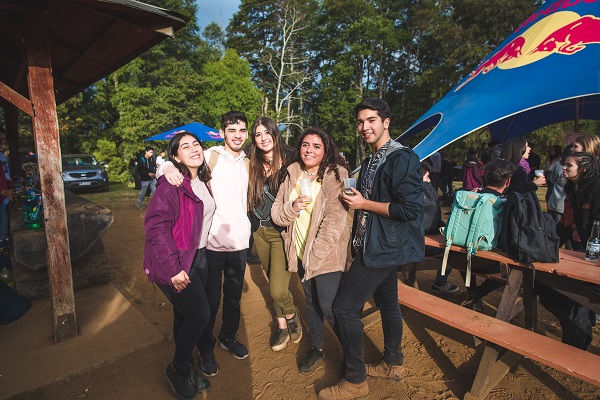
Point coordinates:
[[300, 62]]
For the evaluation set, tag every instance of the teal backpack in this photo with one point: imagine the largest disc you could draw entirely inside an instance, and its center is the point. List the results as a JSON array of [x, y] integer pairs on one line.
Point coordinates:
[[474, 222]]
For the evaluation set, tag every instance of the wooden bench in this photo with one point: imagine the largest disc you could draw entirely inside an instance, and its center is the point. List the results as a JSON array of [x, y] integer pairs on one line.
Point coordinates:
[[557, 355], [570, 276]]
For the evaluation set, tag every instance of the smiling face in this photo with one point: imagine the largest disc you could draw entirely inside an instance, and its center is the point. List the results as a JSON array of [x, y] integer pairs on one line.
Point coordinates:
[[190, 154], [312, 152], [264, 141], [372, 128], [570, 169], [235, 135]]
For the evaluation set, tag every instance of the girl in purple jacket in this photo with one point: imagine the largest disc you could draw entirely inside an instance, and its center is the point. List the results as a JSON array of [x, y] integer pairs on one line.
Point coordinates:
[[176, 224]]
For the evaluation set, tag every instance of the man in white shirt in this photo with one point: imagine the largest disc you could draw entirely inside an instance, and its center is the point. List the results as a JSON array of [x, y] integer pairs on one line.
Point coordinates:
[[227, 239]]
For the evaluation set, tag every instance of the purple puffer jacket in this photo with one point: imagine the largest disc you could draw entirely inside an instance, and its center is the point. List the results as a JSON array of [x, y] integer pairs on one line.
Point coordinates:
[[173, 226]]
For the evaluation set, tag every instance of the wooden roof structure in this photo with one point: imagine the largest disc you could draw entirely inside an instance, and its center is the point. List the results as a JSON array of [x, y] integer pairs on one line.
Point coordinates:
[[51, 50]]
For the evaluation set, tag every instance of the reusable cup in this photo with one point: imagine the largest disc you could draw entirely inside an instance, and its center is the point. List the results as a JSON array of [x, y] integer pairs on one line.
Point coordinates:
[[306, 188], [348, 184]]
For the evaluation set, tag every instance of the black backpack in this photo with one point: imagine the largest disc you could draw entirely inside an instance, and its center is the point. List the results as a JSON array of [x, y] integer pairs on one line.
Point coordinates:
[[527, 233]]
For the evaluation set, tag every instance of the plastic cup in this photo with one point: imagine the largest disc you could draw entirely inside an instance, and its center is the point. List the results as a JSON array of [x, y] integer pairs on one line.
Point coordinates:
[[539, 172], [306, 188], [348, 184]]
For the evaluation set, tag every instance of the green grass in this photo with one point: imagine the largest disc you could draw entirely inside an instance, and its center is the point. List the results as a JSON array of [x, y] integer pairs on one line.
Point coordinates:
[[119, 196]]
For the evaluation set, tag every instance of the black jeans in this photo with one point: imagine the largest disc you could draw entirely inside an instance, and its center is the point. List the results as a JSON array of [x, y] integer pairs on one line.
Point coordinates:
[[320, 292], [226, 270], [357, 287], [190, 311]]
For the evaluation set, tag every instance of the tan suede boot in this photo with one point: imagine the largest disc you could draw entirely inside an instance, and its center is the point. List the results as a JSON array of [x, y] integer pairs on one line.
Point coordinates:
[[383, 369], [345, 390]]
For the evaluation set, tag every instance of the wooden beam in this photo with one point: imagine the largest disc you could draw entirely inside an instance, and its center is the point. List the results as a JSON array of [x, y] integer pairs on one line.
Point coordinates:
[[16, 99], [45, 128]]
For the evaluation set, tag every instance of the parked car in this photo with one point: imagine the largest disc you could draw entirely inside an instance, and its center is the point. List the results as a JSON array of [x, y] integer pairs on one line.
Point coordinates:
[[82, 171]]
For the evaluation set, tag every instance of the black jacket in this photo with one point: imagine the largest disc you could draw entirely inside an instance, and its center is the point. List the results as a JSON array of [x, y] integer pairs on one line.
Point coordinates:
[[400, 239], [146, 166], [586, 207]]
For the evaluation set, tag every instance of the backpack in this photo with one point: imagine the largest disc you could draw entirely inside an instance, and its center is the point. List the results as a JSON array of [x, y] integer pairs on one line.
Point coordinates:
[[528, 234], [475, 222]]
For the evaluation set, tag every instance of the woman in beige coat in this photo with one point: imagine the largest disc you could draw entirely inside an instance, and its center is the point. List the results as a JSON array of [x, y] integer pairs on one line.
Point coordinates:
[[316, 235]]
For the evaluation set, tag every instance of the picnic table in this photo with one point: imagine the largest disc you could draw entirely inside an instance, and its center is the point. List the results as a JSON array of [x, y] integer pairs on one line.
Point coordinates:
[[569, 276]]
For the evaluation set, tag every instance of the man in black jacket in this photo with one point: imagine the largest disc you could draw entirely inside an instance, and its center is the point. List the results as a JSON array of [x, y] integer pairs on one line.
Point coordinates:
[[387, 234], [146, 168]]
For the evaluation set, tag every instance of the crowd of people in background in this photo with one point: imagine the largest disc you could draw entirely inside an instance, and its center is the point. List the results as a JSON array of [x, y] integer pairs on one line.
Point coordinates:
[[210, 205]]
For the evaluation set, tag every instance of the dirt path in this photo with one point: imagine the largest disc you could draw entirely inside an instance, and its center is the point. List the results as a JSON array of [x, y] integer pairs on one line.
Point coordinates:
[[438, 359]]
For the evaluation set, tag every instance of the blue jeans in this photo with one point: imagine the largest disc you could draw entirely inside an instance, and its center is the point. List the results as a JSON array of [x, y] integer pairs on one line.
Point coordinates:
[[190, 311], [320, 292], [145, 185], [357, 287], [226, 271]]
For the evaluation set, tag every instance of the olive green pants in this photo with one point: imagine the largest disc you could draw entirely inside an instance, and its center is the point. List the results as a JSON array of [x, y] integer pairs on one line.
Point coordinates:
[[269, 246]]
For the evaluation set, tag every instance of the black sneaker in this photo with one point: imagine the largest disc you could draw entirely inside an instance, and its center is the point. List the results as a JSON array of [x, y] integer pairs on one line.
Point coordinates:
[[310, 361], [208, 364], [280, 339], [180, 381], [445, 288], [237, 349], [294, 328]]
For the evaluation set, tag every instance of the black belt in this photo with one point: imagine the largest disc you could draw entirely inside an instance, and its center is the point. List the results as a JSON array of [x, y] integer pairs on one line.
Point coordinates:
[[265, 223]]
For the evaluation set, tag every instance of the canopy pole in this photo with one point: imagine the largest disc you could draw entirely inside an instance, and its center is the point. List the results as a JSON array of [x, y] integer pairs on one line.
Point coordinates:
[[47, 144]]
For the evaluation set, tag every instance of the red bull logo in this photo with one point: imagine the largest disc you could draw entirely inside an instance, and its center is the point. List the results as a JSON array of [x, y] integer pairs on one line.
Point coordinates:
[[563, 32], [571, 38]]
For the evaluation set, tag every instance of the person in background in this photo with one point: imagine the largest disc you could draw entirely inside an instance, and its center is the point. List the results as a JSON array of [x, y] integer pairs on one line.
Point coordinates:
[[316, 236], [447, 175], [6, 186], [146, 168], [388, 198], [566, 225], [436, 168], [269, 156], [498, 175], [472, 171], [554, 157], [491, 152], [516, 150], [534, 160], [432, 222], [176, 224], [160, 160], [227, 240], [555, 196], [582, 172]]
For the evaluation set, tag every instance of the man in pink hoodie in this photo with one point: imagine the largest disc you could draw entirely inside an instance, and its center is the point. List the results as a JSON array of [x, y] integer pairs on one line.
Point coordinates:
[[228, 237]]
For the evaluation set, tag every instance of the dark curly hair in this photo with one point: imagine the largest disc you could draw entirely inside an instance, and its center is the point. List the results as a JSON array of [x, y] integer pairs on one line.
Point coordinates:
[[331, 159], [587, 166], [173, 151]]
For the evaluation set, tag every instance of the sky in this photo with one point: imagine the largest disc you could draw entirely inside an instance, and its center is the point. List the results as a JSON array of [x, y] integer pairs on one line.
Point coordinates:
[[219, 11]]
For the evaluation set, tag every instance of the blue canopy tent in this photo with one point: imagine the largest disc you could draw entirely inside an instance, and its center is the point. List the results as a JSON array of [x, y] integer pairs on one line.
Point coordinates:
[[547, 71], [203, 132]]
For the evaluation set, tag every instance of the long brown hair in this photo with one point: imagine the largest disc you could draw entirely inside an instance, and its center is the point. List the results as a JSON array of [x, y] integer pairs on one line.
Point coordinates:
[[257, 174], [331, 158]]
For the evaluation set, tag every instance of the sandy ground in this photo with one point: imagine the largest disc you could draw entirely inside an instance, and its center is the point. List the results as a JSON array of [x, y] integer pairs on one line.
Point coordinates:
[[440, 361]]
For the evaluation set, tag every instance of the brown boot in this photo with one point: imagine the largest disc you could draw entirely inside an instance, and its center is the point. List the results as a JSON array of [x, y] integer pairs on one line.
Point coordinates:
[[345, 390], [382, 369]]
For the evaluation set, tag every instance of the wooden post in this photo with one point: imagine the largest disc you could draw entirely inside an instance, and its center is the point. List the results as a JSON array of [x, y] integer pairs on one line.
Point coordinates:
[[45, 129]]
